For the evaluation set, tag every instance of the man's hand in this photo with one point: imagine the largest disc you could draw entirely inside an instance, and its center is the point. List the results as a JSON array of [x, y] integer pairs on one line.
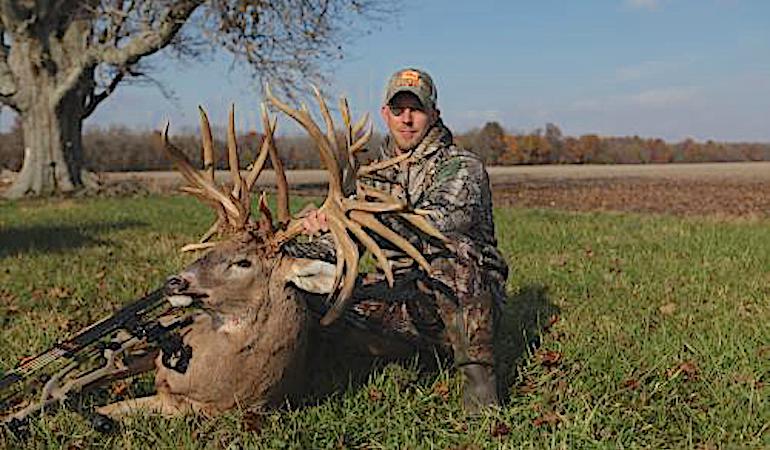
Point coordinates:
[[314, 223]]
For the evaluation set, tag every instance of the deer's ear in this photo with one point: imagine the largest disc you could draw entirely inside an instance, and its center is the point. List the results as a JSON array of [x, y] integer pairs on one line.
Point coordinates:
[[312, 275]]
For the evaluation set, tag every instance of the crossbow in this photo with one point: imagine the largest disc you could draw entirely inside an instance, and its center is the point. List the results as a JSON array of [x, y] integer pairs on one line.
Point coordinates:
[[102, 352]]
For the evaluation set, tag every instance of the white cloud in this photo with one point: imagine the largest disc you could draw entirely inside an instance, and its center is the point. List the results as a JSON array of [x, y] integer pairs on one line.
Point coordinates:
[[650, 5]]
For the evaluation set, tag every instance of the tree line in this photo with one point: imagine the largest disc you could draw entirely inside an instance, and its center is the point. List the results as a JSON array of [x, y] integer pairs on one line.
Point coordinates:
[[120, 148], [550, 146]]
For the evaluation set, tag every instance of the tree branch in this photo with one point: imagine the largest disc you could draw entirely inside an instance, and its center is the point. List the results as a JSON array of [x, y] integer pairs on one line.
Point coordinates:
[[7, 82], [95, 99], [150, 41]]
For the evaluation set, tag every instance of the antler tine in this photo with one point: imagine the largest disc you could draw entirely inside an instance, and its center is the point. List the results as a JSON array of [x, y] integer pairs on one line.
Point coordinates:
[[360, 124], [359, 144], [327, 153], [282, 186], [208, 145], [331, 133], [270, 126], [232, 154], [345, 111], [350, 257], [208, 188], [374, 167]]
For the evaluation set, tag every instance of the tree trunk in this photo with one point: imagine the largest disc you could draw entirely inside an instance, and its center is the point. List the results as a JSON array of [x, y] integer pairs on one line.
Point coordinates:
[[52, 145]]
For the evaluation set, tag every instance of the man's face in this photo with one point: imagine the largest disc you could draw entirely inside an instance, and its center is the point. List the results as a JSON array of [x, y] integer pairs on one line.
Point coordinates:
[[407, 120]]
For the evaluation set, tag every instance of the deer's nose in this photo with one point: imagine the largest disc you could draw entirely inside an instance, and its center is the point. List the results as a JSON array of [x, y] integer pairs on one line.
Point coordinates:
[[176, 283]]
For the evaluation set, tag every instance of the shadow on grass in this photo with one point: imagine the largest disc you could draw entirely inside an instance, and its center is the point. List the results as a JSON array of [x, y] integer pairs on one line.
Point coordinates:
[[525, 317], [15, 241]]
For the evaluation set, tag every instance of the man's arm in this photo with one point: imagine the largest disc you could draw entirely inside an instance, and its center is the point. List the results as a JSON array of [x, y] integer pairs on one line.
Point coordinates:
[[459, 198]]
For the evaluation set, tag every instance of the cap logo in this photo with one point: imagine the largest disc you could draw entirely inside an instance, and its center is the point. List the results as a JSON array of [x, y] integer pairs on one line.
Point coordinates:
[[409, 78]]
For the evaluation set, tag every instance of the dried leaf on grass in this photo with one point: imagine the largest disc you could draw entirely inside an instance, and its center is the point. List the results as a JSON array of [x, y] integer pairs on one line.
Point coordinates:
[[549, 358], [119, 388], [375, 394], [548, 418], [500, 429], [631, 383], [441, 389], [668, 309], [689, 369]]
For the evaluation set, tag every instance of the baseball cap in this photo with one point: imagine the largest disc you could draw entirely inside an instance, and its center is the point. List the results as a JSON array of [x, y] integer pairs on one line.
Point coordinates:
[[415, 81]]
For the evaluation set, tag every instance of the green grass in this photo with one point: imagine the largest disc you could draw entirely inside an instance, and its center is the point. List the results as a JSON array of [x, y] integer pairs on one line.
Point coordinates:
[[653, 332]]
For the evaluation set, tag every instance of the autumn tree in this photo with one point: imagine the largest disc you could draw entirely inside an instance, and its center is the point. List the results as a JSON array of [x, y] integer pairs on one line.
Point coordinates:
[[59, 59]]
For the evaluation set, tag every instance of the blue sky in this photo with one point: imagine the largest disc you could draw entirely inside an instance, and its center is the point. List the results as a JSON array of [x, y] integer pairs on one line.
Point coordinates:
[[656, 68]]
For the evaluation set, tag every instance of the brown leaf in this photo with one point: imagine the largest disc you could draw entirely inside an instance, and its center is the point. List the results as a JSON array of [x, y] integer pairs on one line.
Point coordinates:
[[58, 293], [500, 429], [120, 388], [441, 389], [551, 322], [375, 394], [631, 383], [668, 309], [550, 358], [687, 368], [547, 418]]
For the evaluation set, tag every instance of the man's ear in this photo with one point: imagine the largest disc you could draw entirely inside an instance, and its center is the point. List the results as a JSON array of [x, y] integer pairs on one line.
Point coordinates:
[[384, 113], [436, 114], [311, 275]]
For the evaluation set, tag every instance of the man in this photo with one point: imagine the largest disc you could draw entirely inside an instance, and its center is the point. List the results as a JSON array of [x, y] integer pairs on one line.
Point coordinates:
[[467, 287]]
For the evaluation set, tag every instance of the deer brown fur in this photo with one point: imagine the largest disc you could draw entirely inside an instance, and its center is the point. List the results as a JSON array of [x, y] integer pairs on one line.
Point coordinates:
[[250, 345]]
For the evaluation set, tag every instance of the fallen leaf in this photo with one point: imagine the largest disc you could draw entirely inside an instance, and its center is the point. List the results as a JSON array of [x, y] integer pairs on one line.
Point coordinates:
[[120, 388], [375, 394], [631, 383], [550, 358], [551, 322], [500, 429], [442, 390], [668, 309], [58, 292], [547, 418], [687, 368]]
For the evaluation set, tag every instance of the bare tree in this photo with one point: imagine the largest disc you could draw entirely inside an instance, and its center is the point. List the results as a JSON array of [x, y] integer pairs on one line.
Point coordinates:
[[59, 59]]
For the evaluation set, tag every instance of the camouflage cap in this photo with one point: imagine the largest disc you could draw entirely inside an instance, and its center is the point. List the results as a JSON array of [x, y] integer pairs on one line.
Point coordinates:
[[415, 81]]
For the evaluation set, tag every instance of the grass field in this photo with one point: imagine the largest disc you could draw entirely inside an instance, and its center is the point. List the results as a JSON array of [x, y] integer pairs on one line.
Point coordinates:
[[621, 331]]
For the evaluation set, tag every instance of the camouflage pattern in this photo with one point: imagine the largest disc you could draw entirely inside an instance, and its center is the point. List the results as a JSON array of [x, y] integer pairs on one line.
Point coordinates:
[[414, 81], [458, 305]]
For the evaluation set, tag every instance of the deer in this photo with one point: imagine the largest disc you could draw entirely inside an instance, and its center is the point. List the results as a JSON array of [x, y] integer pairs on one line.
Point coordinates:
[[249, 343]]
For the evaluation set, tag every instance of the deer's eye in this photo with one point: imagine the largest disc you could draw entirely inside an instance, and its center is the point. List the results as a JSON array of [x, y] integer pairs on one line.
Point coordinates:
[[243, 263]]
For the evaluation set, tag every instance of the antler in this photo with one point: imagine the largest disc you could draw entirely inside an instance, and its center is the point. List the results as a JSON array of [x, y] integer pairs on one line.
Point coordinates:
[[350, 207], [232, 204]]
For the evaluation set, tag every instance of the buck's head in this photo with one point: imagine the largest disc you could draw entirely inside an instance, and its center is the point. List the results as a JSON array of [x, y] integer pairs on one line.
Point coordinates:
[[243, 271]]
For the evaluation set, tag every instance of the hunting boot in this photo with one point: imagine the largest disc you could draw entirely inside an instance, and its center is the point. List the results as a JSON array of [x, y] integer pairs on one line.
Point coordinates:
[[470, 329]]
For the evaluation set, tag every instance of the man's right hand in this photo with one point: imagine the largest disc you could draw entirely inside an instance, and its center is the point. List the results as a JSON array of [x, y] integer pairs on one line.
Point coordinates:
[[314, 223]]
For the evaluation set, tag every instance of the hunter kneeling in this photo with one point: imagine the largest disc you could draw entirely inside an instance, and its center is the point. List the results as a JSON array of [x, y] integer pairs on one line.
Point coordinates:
[[457, 306]]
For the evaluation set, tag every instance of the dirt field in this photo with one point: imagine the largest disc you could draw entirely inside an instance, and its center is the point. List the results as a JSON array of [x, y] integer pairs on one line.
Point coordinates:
[[722, 189]]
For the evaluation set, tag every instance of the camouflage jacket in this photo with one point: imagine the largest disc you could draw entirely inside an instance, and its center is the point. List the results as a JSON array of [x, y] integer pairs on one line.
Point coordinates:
[[452, 184]]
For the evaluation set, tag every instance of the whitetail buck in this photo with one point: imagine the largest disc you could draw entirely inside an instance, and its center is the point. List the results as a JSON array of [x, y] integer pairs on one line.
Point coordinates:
[[249, 347]]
